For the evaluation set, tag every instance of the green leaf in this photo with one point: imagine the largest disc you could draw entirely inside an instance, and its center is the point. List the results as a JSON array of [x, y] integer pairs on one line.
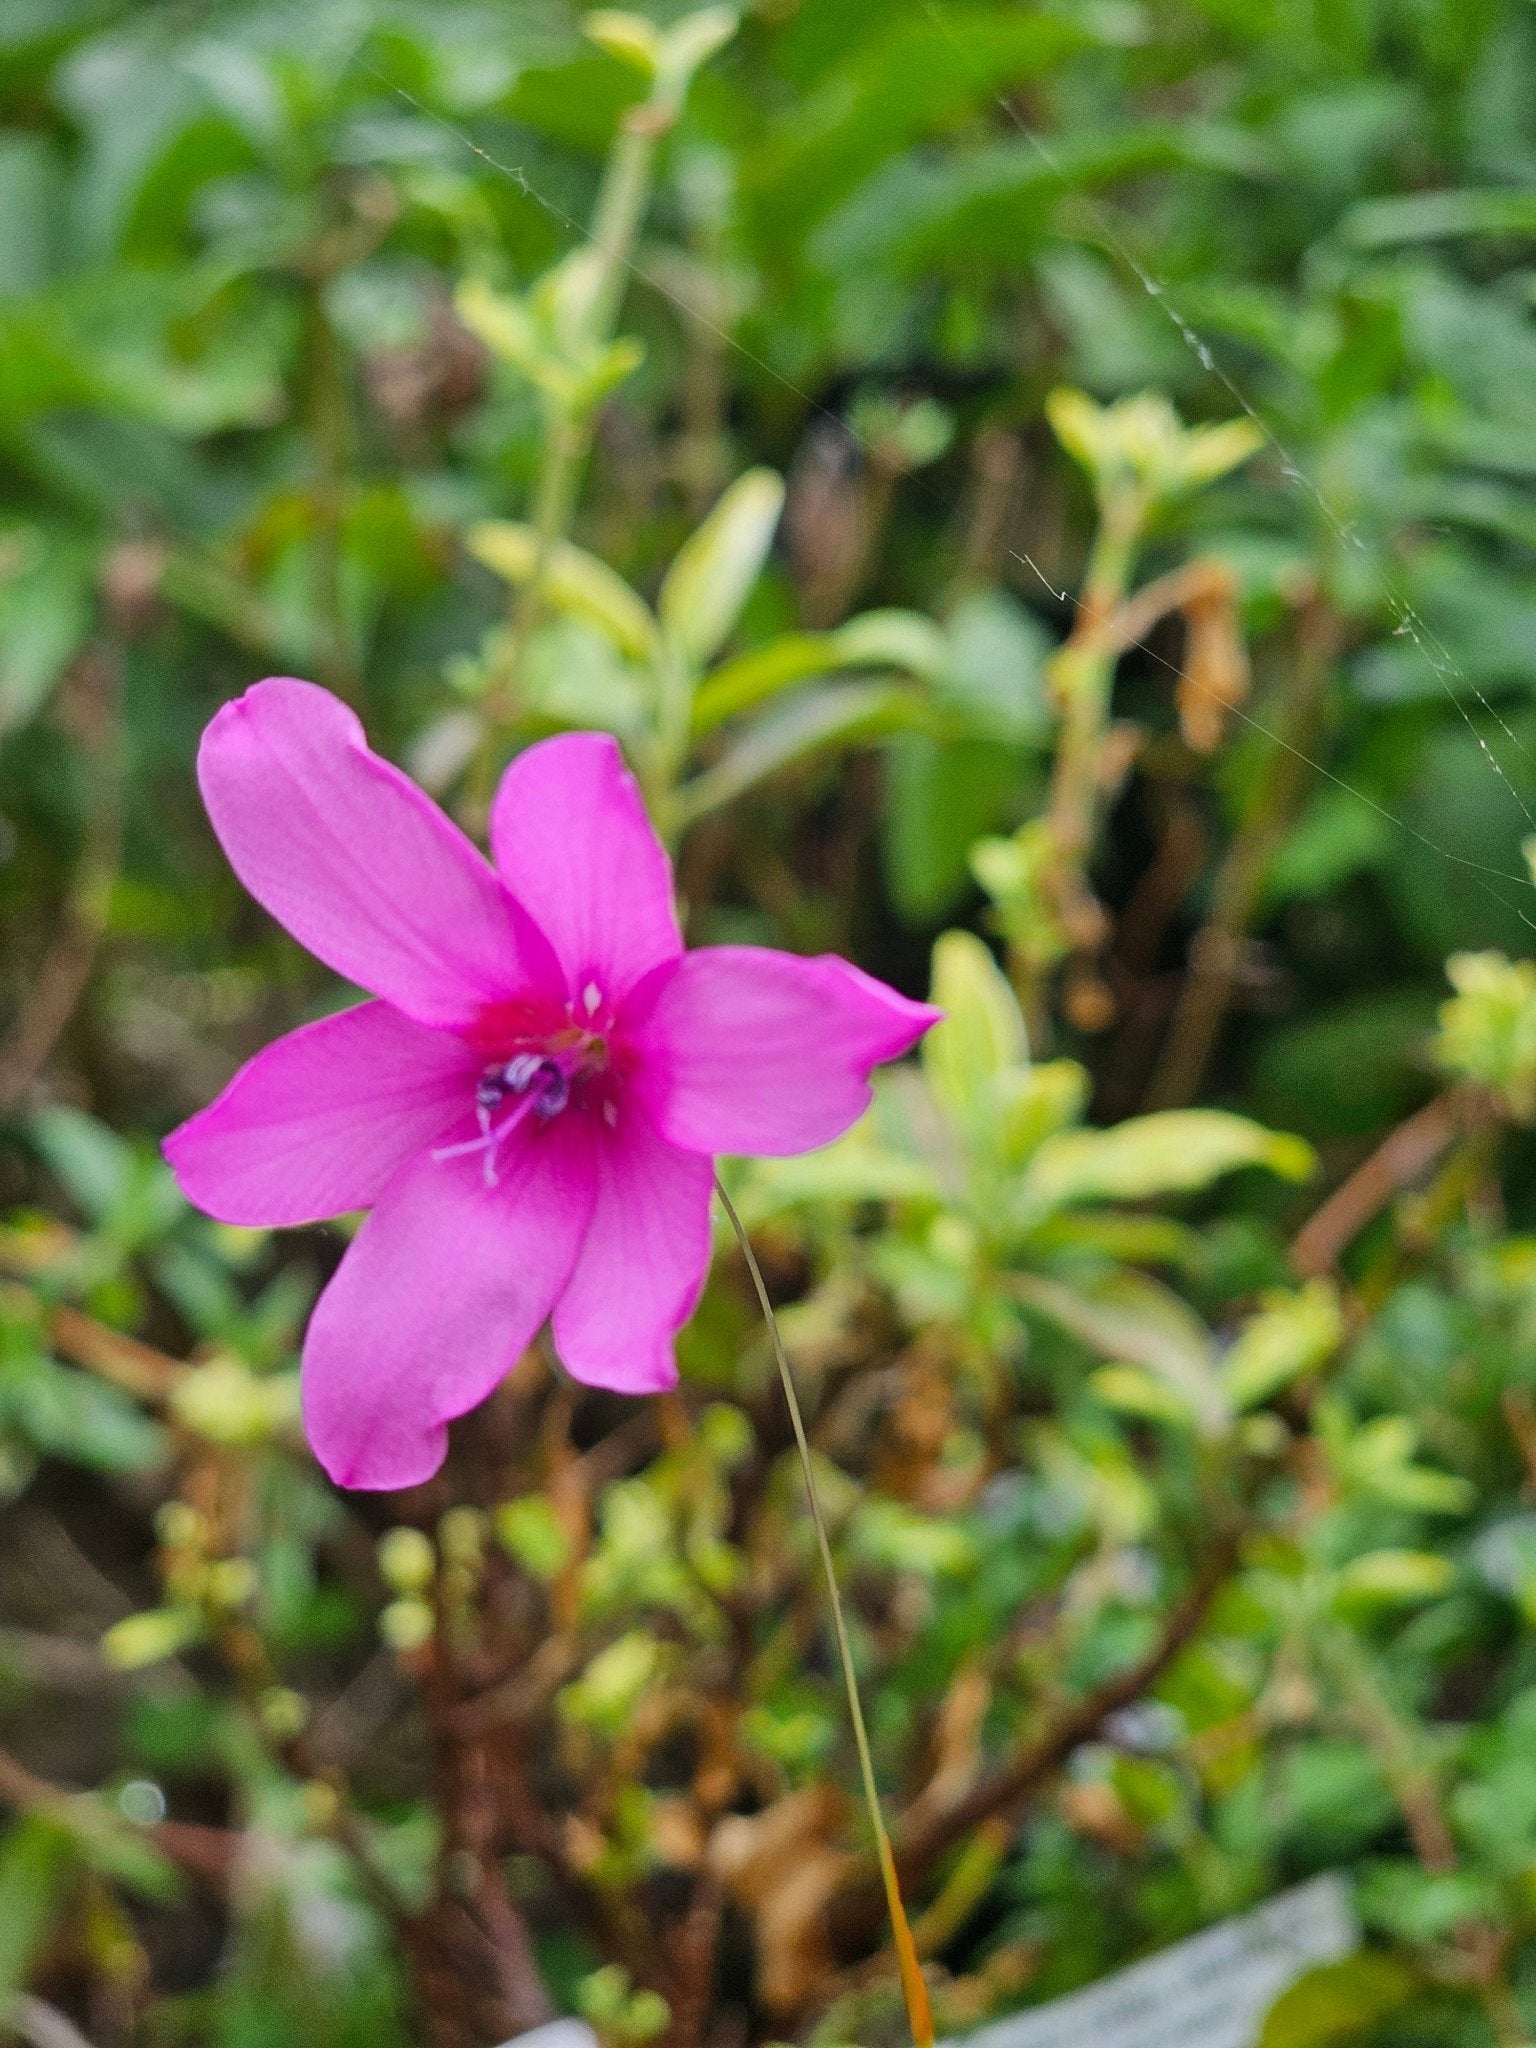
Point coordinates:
[[1131, 1319], [1338, 2002], [737, 685], [839, 715], [628, 37], [504, 325], [45, 615], [691, 42], [941, 797], [1393, 1578], [575, 582], [1488, 1028], [1131, 1390], [72, 1416], [712, 577], [1173, 1151], [902, 640], [95, 1165], [139, 1640], [38, 1859], [995, 673], [1437, 216], [1292, 1335], [1033, 1103], [981, 1033], [905, 641]]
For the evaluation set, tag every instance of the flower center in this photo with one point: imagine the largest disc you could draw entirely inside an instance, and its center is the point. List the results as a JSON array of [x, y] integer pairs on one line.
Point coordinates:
[[530, 1083]]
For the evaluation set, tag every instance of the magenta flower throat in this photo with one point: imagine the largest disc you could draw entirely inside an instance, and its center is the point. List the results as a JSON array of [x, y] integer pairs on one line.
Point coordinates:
[[531, 1104]]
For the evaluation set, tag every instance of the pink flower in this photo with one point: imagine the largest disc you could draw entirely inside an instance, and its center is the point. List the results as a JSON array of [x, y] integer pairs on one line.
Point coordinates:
[[531, 1104]]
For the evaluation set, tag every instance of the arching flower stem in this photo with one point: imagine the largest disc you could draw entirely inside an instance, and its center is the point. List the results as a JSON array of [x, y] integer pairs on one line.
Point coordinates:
[[914, 1989]]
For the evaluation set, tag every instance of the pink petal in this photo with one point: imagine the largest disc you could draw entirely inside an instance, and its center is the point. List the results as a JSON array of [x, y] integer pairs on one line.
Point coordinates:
[[750, 1051], [574, 845], [322, 1121], [362, 868], [643, 1264], [442, 1291]]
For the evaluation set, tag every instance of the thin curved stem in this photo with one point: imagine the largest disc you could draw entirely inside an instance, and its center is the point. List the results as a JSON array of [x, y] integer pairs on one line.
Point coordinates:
[[914, 1990]]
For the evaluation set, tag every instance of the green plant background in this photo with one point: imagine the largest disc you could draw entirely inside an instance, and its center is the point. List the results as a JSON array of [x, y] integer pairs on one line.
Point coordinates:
[[1044, 495]]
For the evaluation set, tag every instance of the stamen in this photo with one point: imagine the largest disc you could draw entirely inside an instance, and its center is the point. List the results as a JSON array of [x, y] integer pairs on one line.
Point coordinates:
[[542, 1084], [592, 998]]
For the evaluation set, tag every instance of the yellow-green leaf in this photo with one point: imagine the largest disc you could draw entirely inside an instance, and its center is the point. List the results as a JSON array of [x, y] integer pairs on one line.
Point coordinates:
[[905, 641], [1337, 2002], [1032, 1104], [693, 41], [1131, 1319], [629, 37], [716, 567], [1393, 1578], [574, 582], [981, 1033], [1131, 1390], [1293, 1334], [1173, 1151]]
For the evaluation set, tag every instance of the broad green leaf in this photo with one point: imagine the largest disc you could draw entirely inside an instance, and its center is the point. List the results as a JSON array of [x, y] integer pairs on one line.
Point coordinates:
[[704, 590], [607, 1692], [72, 1416], [1173, 1151], [1033, 1103], [737, 685], [1393, 1578], [45, 615], [1131, 1390], [574, 582], [1488, 1028], [1208, 453], [994, 677], [139, 1640], [855, 1169], [1131, 1319], [94, 1163], [905, 641], [1338, 2002], [1292, 1335], [981, 1033], [886, 1533], [816, 721], [896, 639]]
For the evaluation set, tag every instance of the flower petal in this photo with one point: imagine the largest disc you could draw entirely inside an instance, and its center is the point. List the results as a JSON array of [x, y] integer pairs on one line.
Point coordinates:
[[439, 1295], [643, 1264], [322, 1120], [751, 1051], [353, 859], [574, 845]]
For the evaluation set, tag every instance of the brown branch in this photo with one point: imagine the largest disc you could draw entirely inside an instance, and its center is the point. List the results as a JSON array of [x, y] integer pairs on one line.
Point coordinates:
[[207, 1853], [137, 1368], [1399, 1160], [66, 968], [1216, 952], [856, 1915], [695, 1949]]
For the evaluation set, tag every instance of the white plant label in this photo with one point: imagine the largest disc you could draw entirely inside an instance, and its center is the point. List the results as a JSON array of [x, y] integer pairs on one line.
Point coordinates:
[[1212, 1991]]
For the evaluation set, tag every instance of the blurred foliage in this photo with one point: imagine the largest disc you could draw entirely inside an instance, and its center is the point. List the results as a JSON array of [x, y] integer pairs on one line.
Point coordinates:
[[802, 398]]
